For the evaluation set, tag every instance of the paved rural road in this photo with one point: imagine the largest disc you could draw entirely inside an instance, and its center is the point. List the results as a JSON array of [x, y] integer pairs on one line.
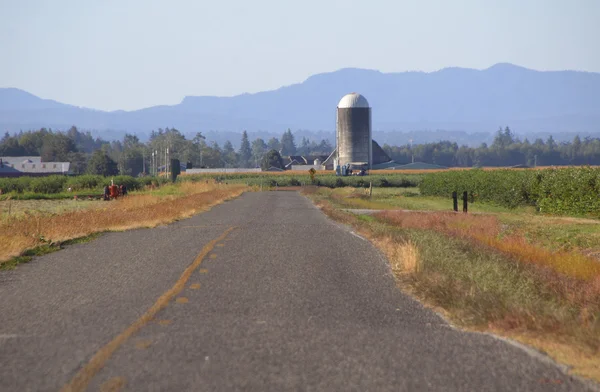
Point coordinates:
[[286, 300]]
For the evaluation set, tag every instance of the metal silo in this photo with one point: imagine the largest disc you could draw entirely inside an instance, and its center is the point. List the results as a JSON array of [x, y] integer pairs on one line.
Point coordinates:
[[353, 131]]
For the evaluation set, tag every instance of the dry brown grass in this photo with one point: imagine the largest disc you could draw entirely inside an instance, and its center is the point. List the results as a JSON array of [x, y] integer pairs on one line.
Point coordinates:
[[135, 211], [403, 256], [487, 230]]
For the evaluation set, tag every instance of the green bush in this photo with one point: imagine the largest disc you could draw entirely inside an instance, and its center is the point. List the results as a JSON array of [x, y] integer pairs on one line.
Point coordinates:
[[87, 181], [50, 184], [19, 184], [329, 180], [573, 190]]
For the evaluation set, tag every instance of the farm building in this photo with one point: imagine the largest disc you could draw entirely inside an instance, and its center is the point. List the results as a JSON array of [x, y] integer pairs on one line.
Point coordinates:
[[31, 166], [354, 143], [299, 162]]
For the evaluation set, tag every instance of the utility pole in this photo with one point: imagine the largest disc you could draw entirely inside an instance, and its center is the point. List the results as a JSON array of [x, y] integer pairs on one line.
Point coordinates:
[[144, 162], [411, 151]]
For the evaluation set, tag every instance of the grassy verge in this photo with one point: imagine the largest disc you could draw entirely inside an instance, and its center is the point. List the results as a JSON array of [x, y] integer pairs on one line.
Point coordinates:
[[149, 209], [485, 279], [28, 255], [550, 232]]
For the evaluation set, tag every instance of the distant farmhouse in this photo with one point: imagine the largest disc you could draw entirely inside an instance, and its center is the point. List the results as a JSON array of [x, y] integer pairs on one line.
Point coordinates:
[[31, 166], [299, 162], [380, 160]]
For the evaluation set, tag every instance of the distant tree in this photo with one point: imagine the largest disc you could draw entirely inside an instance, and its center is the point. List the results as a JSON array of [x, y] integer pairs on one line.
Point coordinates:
[[199, 138], [288, 147], [78, 162], [101, 163], [229, 155], [212, 156], [258, 150], [56, 147], [272, 159], [503, 139], [324, 147], [550, 143], [304, 148], [245, 153], [274, 144], [9, 146]]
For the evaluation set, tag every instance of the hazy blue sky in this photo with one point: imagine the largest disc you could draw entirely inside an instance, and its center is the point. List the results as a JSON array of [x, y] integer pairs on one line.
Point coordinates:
[[128, 54]]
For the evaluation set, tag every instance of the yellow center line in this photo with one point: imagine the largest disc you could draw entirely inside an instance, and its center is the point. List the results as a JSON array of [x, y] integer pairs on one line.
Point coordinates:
[[143, 344], [113, 385], [85, 375]]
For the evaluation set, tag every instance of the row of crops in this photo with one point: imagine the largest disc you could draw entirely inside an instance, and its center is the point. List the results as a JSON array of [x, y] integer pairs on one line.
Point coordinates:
[[329, 180], [58, 184], [573, 190]]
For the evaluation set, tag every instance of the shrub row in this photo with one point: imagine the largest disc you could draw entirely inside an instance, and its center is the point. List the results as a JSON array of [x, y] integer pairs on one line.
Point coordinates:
[[572, 190], [58, 184], [330, 181]]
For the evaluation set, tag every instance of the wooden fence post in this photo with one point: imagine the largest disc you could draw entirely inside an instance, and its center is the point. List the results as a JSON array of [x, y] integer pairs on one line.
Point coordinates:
[[465, 201], [455, 201]]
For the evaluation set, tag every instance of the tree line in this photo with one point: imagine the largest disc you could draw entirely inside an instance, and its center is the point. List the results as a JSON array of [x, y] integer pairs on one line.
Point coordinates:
[[131, 156], [505, 150]]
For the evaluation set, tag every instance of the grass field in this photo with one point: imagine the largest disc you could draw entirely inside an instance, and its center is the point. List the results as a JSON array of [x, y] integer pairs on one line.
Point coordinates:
[[52, 223], [19, 208], [410, 199], [513, 272]]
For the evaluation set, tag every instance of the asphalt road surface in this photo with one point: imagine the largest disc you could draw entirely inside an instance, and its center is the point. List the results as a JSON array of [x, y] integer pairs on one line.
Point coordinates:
[[262, 293]]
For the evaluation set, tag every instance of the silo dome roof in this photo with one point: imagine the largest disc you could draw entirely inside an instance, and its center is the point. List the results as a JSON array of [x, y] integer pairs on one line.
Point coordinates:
[[353, 100]]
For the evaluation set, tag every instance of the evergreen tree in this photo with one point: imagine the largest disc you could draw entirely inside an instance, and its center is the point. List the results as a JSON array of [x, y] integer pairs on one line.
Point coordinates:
[[288, 147], [304, 147], [245, 153], [274, 144], [229, 155]]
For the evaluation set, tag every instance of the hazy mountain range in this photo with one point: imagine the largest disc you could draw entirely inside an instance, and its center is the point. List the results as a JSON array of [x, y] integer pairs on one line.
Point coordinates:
[[452, 99]]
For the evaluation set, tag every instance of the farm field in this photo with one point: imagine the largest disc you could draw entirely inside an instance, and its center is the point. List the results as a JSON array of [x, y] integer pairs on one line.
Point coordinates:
[[46, 224], [20, 208], [553, 232]]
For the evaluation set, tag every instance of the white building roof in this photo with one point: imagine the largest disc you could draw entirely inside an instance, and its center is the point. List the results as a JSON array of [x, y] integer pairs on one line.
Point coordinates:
[[353, 100]]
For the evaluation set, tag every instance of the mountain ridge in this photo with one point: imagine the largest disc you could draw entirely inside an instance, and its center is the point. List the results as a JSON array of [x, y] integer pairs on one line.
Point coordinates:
[[451, 98]]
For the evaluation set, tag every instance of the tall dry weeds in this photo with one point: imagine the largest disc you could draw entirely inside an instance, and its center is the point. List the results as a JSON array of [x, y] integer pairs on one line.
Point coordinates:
[[403, 256], [135, 211], [573, 276]]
